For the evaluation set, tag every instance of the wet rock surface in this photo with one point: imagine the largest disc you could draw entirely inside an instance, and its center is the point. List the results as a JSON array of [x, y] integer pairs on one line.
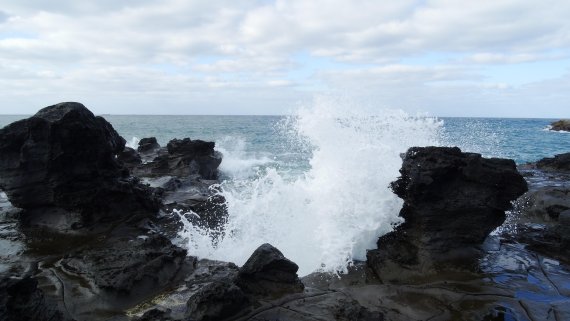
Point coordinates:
[[452, 201]]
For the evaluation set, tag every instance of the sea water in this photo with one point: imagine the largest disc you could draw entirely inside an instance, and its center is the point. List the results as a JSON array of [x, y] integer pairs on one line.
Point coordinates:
[[315, 183]]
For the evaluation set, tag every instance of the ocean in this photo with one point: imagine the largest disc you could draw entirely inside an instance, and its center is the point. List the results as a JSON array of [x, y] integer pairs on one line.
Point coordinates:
[[315, 184]]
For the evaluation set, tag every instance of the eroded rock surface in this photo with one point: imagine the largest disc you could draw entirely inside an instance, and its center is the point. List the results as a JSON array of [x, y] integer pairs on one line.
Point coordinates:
[[268, 273], [452, 201], [65, 157]]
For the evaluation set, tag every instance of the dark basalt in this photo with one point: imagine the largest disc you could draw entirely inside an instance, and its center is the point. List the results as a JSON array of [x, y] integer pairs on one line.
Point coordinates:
[[21, 299], [180, 158], [561, 125], [452, 201], [123, 266], [268, 273], [148, 145], [558, 163], [65, 157]]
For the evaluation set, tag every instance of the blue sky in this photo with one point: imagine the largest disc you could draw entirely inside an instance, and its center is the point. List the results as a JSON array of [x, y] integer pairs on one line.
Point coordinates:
[[499, 58]]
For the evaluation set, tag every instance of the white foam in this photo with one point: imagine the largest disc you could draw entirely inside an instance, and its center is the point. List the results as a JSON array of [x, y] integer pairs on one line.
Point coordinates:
[[237, 162], [133, 143], [329, 216]]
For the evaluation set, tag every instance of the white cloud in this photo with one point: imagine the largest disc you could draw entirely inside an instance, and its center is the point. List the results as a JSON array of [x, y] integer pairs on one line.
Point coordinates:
[[185, 49]]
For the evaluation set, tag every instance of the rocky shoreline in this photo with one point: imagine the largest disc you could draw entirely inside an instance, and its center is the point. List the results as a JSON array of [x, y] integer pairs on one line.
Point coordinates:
[[86, 235]]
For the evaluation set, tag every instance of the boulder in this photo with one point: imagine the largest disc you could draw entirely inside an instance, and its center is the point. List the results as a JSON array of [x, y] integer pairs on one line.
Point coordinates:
[[558, 163], [561, 125], [452, 201], [148, 145], [268, 273], [65, 157]]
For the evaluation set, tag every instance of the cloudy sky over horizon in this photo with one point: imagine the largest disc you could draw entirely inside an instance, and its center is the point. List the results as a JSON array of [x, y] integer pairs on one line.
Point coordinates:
[[500, 58]]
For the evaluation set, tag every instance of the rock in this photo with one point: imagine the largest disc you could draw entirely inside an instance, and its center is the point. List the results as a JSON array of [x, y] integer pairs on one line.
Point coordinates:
[[561, 125], [183, 158], [268, 273], [20, 299], [563, 228], [452, 201], [134, 266], [65, 157], [545, 203], [217, 300], [558, 163], [148, 145], [129, 157]]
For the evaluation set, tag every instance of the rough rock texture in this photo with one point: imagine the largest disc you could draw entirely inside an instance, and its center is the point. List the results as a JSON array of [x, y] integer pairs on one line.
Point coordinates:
[[20, 299], [561, 125], [558, 163], [129, 156], [216, 300], [452, 201], [148, 145], [125, 266], [268, 273], [64, 156], [546, 202]]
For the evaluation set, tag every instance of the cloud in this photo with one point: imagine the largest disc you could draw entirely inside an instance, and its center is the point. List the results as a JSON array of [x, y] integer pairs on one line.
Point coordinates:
[[184, 49]]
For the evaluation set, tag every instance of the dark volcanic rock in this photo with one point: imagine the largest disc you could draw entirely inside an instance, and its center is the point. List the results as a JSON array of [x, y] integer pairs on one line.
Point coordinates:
[[217, 300], [148, 145], [182, 158], [129, 157], [561, 125], [268, 273], [559, 163], [452, 201], [65, 157], [21, 300], [125, 266]]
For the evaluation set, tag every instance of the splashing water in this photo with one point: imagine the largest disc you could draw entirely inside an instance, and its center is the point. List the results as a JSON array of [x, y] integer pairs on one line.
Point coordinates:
[[327, 217]]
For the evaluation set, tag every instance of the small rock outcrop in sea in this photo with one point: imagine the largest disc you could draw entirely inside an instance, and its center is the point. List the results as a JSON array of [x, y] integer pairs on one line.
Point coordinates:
[[65, 157], [181, 158], [558, 163], [452, 201], [268, 273], [561, 125]]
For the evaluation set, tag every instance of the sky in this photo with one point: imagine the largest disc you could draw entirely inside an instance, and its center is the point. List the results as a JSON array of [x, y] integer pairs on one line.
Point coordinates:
[[496, 58]]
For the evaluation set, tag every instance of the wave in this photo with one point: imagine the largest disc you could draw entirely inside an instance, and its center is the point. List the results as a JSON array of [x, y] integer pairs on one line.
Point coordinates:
[[327, 217]]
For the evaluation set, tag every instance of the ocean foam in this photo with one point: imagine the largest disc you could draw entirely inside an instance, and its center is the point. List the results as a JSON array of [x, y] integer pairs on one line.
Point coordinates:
[[328, 217]]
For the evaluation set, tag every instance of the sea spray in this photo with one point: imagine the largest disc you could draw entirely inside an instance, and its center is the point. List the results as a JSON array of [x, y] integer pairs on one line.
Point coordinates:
[[327, 217]]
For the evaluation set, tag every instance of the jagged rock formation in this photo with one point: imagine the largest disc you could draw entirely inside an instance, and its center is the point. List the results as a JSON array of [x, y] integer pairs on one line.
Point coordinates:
[[65, 157], [452, 201]]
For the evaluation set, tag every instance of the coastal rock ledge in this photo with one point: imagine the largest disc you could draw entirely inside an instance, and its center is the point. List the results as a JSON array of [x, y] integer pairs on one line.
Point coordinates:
[[561, 125], [452, 201]]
